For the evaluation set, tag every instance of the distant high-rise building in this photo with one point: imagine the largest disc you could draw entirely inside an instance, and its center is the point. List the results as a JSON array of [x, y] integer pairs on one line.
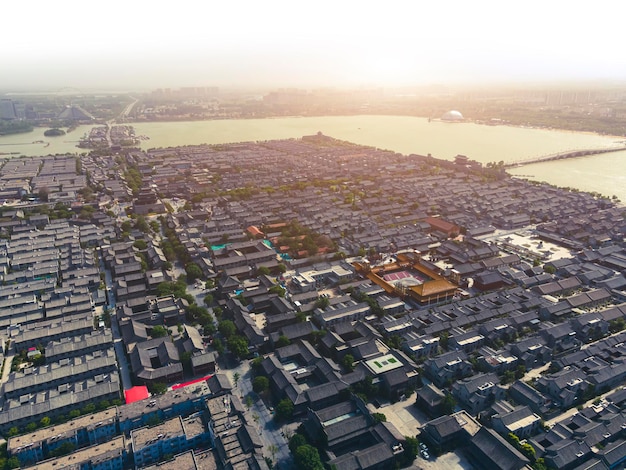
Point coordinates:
[[7, 109]]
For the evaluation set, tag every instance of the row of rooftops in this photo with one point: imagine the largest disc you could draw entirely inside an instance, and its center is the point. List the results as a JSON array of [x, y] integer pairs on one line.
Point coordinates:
[[52, 303], [310, 201], [449, 193], [493, 199], [237, 442], [127, 419]]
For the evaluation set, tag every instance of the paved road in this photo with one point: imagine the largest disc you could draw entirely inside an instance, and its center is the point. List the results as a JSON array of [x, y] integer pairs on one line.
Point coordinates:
[[118, 344], [572, 411], [126, 111], [275, 443], [8, 361]]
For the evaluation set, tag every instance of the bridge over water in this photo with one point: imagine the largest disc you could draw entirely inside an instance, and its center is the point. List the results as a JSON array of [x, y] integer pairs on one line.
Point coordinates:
[[563, 155]]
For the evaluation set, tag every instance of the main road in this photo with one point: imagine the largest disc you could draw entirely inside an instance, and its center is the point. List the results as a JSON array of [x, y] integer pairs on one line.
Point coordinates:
[[121, 117], [126, 111]]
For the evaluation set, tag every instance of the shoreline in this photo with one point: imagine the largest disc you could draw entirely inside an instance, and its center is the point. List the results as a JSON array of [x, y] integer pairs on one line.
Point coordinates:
[[304, 116]]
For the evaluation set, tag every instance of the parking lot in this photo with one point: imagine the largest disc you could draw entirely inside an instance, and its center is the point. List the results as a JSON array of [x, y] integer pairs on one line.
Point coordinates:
[[405, 416]]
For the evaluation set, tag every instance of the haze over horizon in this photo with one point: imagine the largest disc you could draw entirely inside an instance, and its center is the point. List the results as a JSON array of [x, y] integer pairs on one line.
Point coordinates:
[[142, 45]]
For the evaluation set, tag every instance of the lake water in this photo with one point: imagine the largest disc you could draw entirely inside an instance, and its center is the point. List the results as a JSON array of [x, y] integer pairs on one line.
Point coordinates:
[[28, 143], [604, 173]]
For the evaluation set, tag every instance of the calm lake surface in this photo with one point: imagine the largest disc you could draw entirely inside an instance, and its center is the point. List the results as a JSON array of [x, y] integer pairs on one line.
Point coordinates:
[[604, 173]]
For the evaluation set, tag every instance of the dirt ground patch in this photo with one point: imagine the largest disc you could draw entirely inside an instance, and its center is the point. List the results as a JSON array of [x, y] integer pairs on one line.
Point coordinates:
[[450, 461], [404, 415]]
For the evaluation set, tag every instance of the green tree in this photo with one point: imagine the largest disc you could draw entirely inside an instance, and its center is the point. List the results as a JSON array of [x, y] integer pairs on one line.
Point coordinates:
[[394, 341], [157, 388], [308, 458], [64, 449], [13, 431], [196, 312], [366, 387], [316, 336], [141, 224], [30, 427], [207, 323], [45, 421], [185, 358], [260, 384], [140, 244], [43, 194], [282, 341], [256, 363], [617, 325], [158, 331], [218, 346], [104, 404], [217, 311], [193, 272], [208, 300], [13, 462], [348, 362], [227, 328], [508, 377], [88, 408], [529, 451], [448, 404], [322, 302], [513, 439], [238, 345], [278, 290], [284, 410], [263, 271], [379, 417], [296, 441], [411, 448], [444, 338], [236, 377]]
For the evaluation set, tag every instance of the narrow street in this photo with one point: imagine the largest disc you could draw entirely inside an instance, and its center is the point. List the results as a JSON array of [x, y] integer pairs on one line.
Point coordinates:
[[118, 344], [574, 410]]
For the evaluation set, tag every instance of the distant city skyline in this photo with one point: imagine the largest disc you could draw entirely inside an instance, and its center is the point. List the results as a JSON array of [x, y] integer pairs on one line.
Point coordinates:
[[142, 45]]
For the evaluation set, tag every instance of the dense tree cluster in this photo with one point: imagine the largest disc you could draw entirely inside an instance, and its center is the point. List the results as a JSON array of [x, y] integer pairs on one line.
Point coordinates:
[[302, 239], [14, 127]]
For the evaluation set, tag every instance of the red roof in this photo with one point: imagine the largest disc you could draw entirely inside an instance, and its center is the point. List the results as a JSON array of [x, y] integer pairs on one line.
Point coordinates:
[[191, 382], [441, 225], [254, 230], [140, 392]]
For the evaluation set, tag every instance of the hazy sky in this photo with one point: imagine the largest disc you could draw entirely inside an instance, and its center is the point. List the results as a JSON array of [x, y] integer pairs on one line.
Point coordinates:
[[147, 44]]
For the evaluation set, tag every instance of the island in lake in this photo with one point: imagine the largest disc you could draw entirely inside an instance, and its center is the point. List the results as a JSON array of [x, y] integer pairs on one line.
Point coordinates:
[[54, 132]]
